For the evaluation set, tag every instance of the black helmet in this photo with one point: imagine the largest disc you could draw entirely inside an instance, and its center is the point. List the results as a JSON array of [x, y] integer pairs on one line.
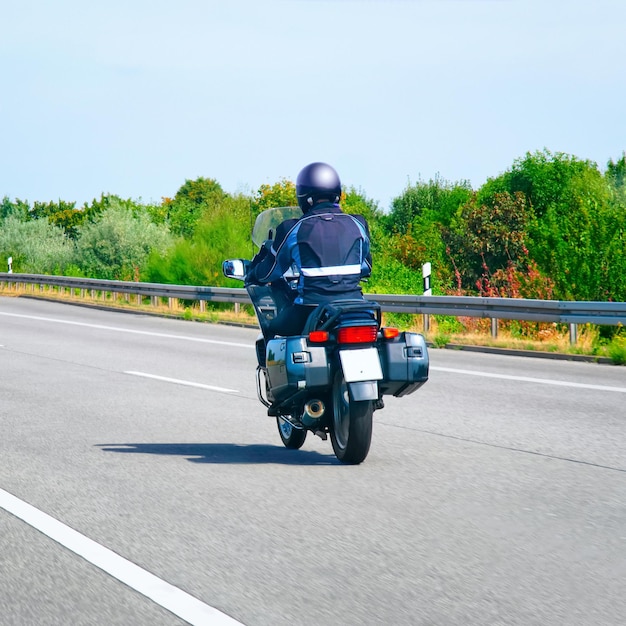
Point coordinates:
[[315, 183]]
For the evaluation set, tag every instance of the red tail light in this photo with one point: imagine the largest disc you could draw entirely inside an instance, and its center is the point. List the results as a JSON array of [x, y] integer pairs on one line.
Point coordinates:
[[357, 334]]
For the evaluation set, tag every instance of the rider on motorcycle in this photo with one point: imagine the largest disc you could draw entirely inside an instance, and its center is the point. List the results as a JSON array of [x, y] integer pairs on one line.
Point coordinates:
[[330, 250]]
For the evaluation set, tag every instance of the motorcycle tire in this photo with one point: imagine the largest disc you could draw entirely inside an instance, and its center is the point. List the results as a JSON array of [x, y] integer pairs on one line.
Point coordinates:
[[351, 426], [292, 438]]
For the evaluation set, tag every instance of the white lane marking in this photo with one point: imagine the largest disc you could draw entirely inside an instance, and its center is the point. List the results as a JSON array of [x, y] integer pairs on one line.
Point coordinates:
[[188, 383], [528, 379], [162, 593], [128, 330], [543, 381]]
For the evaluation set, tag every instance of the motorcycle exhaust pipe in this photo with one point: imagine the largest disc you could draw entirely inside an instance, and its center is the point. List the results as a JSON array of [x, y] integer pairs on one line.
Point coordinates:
[[314, 409]]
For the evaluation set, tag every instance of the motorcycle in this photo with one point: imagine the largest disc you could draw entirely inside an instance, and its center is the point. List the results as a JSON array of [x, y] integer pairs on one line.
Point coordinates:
[[330, 379]]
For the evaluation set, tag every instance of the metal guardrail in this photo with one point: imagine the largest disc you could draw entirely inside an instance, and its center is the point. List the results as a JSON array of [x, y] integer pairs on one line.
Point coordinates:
[[559, 311], [182, 292]]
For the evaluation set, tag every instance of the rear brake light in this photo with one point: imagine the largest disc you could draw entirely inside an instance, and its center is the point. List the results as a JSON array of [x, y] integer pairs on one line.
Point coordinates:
[[318, 336], [390, 333], [357, 334]]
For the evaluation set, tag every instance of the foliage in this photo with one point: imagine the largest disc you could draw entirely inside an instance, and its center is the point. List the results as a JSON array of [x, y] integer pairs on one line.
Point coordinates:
[[280, 194], [616, 179], [202, 191], [222, 233], [390, 276], [37, 247], [575, 233], [191, 202], [18, 209], [62, 214], [551, 226], [416, 224], [579, 242], [356, 202], [118, 244], [441, 340], [543, 177], [438, 197], [617, 350], [485, 238]]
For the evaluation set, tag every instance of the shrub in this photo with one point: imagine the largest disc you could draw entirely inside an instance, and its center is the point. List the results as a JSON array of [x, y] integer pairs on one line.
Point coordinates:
[[37, 247], [117, 246], [617, 350]]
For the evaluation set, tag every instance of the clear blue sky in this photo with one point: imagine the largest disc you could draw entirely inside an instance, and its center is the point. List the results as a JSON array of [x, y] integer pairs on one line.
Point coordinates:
[[132, 97]]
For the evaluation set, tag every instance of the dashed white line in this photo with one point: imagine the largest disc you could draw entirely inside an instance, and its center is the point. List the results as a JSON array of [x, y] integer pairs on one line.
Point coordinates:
[[175, 600], [528, 379], [542, 381], [187, 383]]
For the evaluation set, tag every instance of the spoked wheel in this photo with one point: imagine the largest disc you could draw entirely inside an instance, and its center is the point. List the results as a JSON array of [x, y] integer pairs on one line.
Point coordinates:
[[292, 438], [351, 428]]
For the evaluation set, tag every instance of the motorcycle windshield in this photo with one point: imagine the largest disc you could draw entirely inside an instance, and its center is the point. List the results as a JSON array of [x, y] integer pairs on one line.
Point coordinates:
[[267, 222]]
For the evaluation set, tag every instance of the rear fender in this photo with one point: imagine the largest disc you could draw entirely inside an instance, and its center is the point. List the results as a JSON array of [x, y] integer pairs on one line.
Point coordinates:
[[364, 390]]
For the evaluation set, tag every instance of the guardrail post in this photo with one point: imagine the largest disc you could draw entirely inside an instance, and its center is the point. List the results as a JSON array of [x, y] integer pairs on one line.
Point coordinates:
[[426, 322], [202, 306], [494, 327], [573, 334]]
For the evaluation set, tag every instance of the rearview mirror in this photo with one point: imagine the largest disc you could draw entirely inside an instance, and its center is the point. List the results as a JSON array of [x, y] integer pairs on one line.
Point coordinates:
[[235, 268]]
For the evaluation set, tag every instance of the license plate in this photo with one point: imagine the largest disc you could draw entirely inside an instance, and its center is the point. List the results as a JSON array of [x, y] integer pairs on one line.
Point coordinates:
[[359, 365]]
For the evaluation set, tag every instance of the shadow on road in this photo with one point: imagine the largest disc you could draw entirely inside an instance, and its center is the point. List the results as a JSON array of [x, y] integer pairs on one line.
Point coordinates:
[[226, 453]]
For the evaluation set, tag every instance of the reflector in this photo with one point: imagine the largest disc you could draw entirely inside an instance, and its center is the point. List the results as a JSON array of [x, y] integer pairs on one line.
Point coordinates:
[[318, 336], [390, 332]]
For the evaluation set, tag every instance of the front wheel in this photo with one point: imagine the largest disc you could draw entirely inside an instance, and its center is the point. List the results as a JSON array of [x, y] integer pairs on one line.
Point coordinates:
[[351, 428], [292, 438]]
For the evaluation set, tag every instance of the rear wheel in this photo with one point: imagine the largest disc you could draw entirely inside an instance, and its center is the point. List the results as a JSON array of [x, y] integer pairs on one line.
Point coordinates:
[[292, 438], [351, 428]]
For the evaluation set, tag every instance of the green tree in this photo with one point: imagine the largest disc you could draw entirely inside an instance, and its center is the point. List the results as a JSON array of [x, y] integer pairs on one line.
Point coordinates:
[[18, 209], [280, 194], [573, 239], [439, 198], [416, 224], [544, 177], [355, 201], [486, 237], [192, 200], [117, 245], [61, 213]]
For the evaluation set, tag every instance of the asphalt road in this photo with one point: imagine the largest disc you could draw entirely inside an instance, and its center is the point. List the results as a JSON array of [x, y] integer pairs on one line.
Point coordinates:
[[496, 494]]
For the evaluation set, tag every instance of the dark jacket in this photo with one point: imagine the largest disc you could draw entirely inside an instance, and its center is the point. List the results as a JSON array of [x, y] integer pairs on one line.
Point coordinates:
[[329, 248]]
